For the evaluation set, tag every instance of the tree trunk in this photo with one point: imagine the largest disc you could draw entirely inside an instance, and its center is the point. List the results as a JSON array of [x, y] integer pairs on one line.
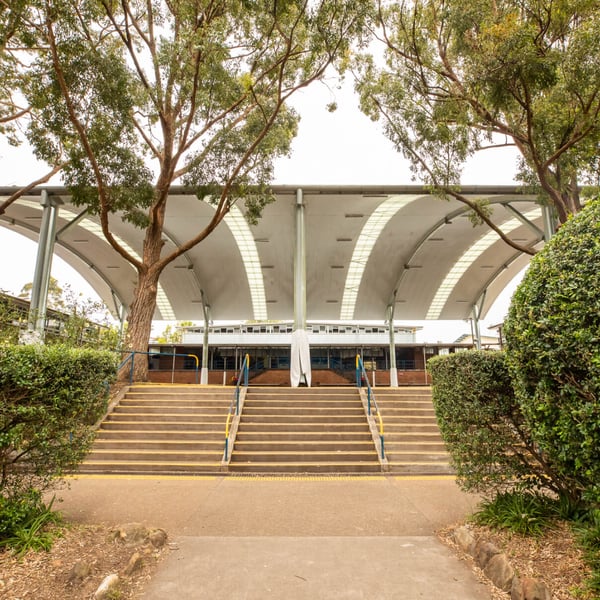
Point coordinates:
[[139, 324]]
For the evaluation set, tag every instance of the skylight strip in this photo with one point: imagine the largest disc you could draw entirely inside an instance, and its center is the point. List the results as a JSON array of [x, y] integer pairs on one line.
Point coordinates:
[[364, 246], [247, 246], [467, 259]]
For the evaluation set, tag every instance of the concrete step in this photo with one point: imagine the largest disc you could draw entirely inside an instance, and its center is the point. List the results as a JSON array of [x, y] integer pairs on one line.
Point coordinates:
[[167, 394], [330, 466], [291, 418], [133, 445], [154, 456], [149, 467], [393, 445], [305, 427], [411, 468], [173, 409], [298, 404], [306, 436], [296, 411], [301, 446], [304, 456], [416, 456], [174, 402], [164, 434], [165, 418], [172, 425], [425, 437]]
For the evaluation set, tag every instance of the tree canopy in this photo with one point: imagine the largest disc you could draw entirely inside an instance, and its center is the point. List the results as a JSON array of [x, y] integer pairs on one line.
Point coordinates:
[[17, 42], [140, 95], [460, 77]]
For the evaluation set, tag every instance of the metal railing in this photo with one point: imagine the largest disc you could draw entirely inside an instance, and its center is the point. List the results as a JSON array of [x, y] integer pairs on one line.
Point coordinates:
[[235, 402], [361, 376], [134, 352]]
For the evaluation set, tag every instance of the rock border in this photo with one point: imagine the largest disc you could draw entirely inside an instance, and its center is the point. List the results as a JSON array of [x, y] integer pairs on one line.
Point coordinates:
[[497, 568]]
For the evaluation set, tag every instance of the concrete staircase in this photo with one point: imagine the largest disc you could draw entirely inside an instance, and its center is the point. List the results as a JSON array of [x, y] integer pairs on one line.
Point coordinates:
[[303, 430], [162, 429], [413, 442]]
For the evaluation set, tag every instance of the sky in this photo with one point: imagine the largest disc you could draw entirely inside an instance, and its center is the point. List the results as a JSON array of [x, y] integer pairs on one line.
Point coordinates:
[[340, 148]]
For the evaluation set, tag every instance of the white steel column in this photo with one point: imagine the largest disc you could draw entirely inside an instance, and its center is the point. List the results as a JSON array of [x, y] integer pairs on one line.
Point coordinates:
[[549, 222], [393, 368], [204, 370], [43, 266], [300, 266], [476, 330]]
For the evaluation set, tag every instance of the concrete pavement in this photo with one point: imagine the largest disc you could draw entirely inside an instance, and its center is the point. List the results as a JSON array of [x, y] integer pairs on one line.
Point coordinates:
[[290, 538]]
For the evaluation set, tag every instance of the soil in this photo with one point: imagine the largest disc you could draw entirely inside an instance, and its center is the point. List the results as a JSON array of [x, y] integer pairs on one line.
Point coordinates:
[[45, 575], [552, 557]]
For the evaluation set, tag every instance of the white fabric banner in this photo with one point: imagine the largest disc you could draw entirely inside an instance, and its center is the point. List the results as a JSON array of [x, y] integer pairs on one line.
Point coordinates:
[[300, 358]]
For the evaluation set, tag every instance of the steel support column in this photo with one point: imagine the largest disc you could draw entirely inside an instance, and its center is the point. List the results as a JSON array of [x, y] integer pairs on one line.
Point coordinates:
[[476, 330], [393, 368], [549, 222], [43, 266], [300, 265], [204, 370]]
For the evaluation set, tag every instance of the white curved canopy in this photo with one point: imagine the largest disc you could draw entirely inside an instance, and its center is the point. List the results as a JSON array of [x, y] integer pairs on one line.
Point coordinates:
[[367, 248]]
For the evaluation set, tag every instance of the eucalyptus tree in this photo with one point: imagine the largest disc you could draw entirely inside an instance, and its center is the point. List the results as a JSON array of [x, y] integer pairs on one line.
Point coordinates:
[[461, 77], [17, 43], [145, 93]]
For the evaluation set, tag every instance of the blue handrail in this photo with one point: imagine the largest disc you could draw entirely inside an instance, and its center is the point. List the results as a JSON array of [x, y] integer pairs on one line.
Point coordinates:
[[361, 375], [132, 354], [236, 398]]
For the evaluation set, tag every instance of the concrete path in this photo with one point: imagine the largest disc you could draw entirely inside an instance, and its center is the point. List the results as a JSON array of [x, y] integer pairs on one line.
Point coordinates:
[[290, 538]]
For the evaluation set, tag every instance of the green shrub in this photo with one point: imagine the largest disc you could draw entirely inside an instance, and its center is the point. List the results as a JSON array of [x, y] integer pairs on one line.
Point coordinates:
[[49, 398], [553, 351], [482, 426], [30, 529], [525, 513]]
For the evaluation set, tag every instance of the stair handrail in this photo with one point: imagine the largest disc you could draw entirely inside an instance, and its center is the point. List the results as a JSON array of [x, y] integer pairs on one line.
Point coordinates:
[[361, 375], [243, 374], [132, 354]]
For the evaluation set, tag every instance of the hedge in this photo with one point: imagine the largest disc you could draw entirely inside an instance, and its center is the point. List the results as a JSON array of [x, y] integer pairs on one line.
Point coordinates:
[[484, 431], [553, 349], [50, 396]]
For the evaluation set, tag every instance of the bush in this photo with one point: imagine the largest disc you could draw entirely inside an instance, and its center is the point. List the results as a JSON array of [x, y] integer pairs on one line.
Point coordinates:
[[49, 398], [525, 513], [553, 351], [481, 423]]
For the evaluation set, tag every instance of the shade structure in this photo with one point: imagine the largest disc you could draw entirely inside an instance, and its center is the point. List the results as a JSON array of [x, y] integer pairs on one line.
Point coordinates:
[[368, 248]]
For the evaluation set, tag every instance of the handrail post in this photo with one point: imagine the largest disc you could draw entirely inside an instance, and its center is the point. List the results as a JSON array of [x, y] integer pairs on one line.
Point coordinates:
[[132, 356], [246, 368], [358, 381]]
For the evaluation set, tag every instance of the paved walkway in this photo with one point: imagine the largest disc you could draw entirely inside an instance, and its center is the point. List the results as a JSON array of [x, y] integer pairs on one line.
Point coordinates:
[[291, 538]]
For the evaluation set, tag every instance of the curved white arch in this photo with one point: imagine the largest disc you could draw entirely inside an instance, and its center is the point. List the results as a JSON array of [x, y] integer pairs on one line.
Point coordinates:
[[369, 235], [468, 258], [162, 301], [244, 239]]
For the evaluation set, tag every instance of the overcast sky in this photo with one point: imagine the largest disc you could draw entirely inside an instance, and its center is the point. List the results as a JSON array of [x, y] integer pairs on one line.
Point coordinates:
[[339, 148]]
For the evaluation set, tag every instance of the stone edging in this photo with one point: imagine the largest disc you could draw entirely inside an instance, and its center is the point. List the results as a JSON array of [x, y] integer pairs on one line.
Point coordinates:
[[496, 567]]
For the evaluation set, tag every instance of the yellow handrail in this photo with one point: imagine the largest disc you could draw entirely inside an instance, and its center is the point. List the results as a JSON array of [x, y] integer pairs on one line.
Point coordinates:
[[360, 371]]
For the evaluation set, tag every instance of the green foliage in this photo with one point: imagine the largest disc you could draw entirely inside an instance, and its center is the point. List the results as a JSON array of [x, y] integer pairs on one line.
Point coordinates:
[[49, 399], [525, 513], [587, 533], [173, 334], [553, 350], [31, 529], [461, 77], [482, 426], [10, 319]]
